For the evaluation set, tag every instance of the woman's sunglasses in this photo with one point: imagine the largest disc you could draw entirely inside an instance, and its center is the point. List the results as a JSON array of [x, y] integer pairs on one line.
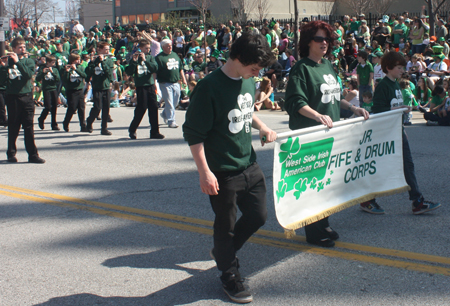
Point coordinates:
[[319, 39]]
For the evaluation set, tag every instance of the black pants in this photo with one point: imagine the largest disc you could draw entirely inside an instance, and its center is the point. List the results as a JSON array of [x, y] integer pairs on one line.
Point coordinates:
[[3, 118], [245, 190], [316, 231], [445, 121], [50, 106], [146, 99], [75, 101], [21, 113], [101, 103]]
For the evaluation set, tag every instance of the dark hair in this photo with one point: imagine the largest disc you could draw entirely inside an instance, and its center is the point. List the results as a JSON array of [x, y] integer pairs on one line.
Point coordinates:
[[73, 57], [102, 45], [50, 58], [363, 54], [392, 59], [252, 49], [353, 83], [367, 94], [143, 43], [17, 41], [419, 90], [404, 83], [438, 90], [309, 30]]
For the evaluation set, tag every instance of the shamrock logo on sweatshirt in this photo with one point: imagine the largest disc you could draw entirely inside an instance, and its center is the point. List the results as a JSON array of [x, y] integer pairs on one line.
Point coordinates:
[[398, 100], [243, 116], [330, 89]]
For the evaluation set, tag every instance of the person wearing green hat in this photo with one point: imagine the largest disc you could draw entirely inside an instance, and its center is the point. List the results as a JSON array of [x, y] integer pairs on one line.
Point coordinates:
[[122, 54], [444, 45], [107, 28], [377, 70], [437, 69]]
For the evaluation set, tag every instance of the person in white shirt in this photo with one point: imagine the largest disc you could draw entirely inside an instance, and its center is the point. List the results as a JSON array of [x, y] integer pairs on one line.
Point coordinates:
[[377, 71], [436, 69], [77, 28]]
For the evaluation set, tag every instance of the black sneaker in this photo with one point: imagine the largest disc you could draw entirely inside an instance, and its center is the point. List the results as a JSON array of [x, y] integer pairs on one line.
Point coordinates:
[[36, 160], [105, 132], [332, 234], [235, 289], [326, 242], [83, 129], [421, 206], [89, 129], [41, 123], [157, 136], [65, 127], [133, 135], [12, 159], [110, 119], [55, 128]]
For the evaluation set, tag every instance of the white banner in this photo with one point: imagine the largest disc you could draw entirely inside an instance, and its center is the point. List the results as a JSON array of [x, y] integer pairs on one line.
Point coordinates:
[[319, 171]]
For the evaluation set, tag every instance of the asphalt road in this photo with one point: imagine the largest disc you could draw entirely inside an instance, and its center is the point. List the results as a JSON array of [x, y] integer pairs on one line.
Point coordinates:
[[113, 221]]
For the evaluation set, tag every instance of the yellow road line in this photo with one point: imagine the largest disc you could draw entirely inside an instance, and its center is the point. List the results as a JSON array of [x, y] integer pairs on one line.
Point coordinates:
[[263, 241]]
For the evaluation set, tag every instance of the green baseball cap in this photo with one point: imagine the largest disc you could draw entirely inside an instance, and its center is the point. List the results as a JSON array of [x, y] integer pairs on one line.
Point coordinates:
[[379, 54]]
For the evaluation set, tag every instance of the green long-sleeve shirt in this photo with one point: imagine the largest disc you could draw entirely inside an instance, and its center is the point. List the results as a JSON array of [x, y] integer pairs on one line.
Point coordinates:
[[74, 79], [142, 71], [100, 73], [315, 85], [20, 75], [50, 79]]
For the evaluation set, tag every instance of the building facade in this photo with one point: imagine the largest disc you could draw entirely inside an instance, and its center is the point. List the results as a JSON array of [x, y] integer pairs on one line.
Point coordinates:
[[138, 11]]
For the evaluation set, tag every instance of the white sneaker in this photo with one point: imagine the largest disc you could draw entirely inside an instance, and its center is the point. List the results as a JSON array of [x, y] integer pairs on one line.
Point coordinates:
[[173, 125]]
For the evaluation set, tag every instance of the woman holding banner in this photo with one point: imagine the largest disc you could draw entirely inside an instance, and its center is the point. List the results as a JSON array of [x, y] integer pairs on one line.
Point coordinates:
[[313, 97]]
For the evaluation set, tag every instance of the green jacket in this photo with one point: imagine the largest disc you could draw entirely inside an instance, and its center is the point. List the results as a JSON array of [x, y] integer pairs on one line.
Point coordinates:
[[20, 75], [50, 80], [74, 79], [100, 73], [142, 72]]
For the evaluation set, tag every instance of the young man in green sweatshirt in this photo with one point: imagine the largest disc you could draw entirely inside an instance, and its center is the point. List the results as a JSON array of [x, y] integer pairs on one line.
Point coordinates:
[[49, 76], [19, 101], [218, 129], [73, 80], [141, 68], [100, 71]]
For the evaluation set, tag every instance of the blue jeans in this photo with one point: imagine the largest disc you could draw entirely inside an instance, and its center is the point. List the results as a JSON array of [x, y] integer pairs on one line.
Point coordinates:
[[170, 92]]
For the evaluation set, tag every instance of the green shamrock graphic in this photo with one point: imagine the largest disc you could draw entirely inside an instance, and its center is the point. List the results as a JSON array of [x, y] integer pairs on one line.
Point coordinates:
[[331, 172], [320, 186], [281, 189], [313, 183], [328, 182], [300, 187], [290, 147]]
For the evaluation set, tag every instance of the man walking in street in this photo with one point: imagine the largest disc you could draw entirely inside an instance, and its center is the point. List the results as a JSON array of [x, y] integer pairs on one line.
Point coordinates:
[[142, 66], [218, 129], [170, 70]]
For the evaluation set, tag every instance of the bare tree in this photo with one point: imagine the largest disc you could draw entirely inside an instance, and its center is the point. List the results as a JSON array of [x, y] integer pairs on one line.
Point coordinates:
[[19, 10], [326, 7], [242, 9], [382, 6], [263, 8], [202, 6], [360, 6], [444, 8], [72, 9], [32, 10], [433, 7]]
